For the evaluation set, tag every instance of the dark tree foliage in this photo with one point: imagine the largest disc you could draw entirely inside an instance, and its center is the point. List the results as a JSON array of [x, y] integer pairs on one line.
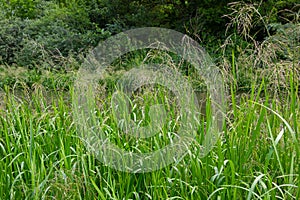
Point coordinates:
[[74, 26]]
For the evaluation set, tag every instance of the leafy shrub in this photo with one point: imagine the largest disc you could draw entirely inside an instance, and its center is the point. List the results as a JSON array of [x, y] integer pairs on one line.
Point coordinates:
[[20, 8], [57, 34], [11, 37]]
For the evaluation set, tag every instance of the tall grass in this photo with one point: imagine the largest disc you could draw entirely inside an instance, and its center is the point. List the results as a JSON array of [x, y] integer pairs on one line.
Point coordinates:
[[42, 156], [257, 156]]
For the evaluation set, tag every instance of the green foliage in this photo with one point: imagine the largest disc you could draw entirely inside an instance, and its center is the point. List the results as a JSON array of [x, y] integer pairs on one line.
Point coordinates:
[[10, 38], [20, 77], [59, 33], [20, 8], [42, 156], [68, 26], [249, 57]]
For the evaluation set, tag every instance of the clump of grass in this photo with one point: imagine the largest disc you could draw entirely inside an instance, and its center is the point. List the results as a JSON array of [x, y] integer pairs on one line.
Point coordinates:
[[272, 58], [43, 157]]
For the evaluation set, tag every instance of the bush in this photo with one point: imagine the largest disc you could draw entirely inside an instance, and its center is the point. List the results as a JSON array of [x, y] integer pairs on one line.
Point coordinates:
[[58, 33], [11, 37], [20, 8]]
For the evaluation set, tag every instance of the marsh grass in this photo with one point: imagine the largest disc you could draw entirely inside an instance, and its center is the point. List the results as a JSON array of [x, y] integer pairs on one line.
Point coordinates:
[[42, 156], [257, 157]]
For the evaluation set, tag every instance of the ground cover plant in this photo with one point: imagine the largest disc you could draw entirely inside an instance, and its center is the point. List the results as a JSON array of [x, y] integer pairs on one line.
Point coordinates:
[[257, 156]]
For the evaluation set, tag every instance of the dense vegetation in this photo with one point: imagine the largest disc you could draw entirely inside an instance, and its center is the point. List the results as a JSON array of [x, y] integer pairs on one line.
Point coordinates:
[[35, 32], [255, 44]]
